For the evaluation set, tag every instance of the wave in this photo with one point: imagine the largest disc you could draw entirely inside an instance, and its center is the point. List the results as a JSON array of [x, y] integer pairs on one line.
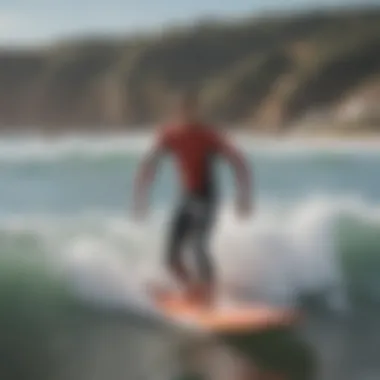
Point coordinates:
[[322, 246], [37, 149], [42, 149]]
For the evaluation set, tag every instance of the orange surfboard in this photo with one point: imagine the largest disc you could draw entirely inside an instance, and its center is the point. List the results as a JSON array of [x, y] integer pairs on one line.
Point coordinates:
[[238, 318]]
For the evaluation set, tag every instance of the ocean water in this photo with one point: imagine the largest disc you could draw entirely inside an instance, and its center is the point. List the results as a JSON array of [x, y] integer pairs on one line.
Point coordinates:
[[74, 264]]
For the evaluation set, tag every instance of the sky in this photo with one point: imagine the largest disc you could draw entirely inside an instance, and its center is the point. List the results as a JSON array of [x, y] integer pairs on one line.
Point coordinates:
[[30, 22]]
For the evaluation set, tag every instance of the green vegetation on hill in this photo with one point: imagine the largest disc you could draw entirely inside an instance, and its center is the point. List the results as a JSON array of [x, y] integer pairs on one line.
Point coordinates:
[[258, 72]]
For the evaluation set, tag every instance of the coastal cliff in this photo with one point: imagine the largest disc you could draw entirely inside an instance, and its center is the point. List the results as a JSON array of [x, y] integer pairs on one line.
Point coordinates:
[[263, 73]]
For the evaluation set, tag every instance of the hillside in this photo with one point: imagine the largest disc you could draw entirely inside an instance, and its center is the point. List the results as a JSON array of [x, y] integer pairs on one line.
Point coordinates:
[[263, 73]]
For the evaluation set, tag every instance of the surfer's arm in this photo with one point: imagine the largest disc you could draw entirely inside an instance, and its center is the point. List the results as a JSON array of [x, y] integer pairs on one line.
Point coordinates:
[[241, 171], [146, 174]]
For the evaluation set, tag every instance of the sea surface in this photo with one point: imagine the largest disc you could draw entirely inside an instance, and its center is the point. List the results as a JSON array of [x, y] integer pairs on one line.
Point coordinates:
[[74, 263]]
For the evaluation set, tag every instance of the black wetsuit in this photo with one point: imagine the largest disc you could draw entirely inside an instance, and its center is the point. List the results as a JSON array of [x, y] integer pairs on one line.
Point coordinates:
[[195, 153], [192, 224]]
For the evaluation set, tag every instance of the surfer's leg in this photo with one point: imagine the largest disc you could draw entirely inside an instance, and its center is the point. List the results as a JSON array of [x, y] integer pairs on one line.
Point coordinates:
[[201, 240], [177, 237], [202, 254]]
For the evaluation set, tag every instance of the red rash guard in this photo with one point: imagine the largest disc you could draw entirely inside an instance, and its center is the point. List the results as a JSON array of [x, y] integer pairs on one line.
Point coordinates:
[[194, 149]]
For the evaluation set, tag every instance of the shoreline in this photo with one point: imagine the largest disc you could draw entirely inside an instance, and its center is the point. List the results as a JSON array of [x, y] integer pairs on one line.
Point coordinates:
[[297, 134]]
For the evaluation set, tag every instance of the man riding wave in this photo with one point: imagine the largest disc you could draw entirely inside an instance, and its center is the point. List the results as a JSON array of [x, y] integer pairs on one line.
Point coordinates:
[[195, 147]]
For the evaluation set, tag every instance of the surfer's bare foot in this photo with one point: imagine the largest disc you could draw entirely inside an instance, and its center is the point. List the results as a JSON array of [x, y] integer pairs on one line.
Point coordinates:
[[201, 294], [159, 292]]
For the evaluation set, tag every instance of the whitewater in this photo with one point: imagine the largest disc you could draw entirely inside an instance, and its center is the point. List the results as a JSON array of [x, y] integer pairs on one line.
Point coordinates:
[[68, 243]]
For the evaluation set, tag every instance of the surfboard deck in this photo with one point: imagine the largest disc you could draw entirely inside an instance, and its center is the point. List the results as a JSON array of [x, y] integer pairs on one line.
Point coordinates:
[[225, 319]]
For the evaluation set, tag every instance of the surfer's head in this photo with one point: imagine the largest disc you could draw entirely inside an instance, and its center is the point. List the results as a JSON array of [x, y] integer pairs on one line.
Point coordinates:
[[186, 108]]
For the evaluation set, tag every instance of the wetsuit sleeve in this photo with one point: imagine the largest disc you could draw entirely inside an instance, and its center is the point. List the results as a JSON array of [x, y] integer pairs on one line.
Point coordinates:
[[148, 166], [163, 140], [227, 150], [220, 143]]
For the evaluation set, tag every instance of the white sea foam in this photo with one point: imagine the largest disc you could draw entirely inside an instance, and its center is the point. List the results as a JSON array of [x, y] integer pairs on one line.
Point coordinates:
[[277, 255], [43, 149]]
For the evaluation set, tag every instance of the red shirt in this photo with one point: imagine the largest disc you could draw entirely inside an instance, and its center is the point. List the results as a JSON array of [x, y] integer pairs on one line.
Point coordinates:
[[194, 149]]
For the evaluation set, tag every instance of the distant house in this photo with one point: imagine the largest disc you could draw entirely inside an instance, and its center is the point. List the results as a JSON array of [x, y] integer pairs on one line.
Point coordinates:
[[362, 108]]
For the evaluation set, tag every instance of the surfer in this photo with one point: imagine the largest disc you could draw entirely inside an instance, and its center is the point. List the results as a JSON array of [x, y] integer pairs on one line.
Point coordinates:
[[194, 147]]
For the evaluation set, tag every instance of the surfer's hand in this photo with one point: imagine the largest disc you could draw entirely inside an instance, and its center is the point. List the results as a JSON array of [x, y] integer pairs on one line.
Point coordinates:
[[244, 209]]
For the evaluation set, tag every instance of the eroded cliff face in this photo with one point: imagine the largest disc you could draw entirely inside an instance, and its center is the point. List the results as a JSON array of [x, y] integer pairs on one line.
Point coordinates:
[[262, 72]]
